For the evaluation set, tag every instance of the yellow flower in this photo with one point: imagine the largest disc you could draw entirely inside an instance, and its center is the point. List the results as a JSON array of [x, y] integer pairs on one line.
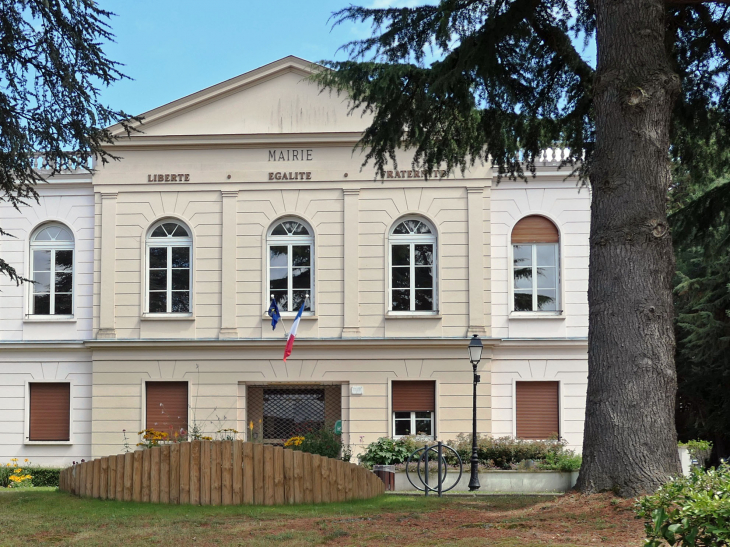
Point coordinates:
[[26, 460]]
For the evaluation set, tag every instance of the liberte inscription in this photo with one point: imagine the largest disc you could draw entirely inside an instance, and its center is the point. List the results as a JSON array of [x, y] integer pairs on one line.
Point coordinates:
[[291, 154], [169, 177]]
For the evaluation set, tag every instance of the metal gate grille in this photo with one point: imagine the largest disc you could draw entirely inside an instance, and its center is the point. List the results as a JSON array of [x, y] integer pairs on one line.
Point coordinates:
[[280, 412]]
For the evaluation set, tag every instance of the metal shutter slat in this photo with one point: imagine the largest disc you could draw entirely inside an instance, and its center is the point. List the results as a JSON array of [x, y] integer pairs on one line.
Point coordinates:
[[167, 406], [415, 396], [535, 229], [537, 410]]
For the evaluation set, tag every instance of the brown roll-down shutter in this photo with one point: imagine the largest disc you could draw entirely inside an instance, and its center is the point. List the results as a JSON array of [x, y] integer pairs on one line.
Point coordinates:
[[537, 410], [167, 406], [534, 229], [415, 396], [50, 411]]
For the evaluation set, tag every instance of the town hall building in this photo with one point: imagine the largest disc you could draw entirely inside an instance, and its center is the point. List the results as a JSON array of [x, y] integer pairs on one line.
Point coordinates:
[[154, 274]]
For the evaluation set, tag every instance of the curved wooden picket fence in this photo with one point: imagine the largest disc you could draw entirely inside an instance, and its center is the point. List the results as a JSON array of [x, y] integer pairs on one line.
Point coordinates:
[[220, 473]]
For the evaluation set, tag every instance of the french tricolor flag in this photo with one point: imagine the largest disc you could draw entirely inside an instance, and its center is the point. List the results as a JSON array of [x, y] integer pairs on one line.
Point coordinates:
[[293, 333]]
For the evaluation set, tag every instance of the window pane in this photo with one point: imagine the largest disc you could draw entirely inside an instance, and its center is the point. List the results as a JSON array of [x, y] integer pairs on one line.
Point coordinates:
[[546, 278], [42, 282], [282, 300], [181, 257], [158, 302], [423, 255], [523, 278], [403, 415], [401, 300], [42, 304], [401, 229], [401, 255], [64, 261], [278, 278], [278, 256], [180, 280], [424, 299], [412, 225], [403, 427], [423, 427], [401, 278], [301, 278], [278, 231], [522, 255], [180, 232], [158, 280], [546, 300], [300, 255], [424, 277], [523, 300], [63, 304], [423, 228], [300, 230], [297, 298], [545, 255], [158, 232], [158, 257], [423, 415], [63, 282], [169, 227], [180, 301], [42, 261]]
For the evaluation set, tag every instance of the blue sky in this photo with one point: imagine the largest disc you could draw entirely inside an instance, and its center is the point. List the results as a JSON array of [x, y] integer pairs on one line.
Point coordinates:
[[174, 48]]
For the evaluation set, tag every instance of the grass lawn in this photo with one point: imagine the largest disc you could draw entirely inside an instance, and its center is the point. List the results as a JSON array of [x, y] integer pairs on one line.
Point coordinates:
[[45, 516]]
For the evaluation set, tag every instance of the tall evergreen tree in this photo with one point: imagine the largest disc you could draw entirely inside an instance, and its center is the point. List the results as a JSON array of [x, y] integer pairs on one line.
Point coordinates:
[[51, 68], [507, 82]]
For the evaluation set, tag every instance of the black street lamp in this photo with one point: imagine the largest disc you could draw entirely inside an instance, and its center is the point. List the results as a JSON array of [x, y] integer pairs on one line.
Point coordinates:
[[475, 355]]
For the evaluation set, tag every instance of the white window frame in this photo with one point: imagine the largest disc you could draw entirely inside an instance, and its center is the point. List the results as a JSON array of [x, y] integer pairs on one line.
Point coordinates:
[[169, 243], [558, 279], [26, 429], [412, 240], [52, 246], [413, 424], [290, 241]]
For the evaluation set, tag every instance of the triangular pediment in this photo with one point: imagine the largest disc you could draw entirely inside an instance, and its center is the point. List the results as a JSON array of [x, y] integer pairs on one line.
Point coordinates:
[[275, 98]]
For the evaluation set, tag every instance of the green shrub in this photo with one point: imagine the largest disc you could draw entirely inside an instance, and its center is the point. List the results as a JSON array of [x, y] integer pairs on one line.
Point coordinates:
[[322, 441], [385, 451], [562, 461], [689, 511], [44, 476], [506, 452], [699, 450]]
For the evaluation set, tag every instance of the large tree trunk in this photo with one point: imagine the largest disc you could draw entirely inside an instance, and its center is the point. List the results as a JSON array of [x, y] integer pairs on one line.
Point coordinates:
[[630, 443]]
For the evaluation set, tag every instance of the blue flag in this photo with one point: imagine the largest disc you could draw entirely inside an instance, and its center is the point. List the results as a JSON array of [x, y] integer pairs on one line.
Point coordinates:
[[274, 314]]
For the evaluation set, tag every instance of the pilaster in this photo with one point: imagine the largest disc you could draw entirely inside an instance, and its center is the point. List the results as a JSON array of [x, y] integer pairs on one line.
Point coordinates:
[[351, 296], [475, 208], [228, 265], [107, 311]]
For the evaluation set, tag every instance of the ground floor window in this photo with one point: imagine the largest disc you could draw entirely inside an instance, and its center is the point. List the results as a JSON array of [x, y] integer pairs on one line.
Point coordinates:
[[537, 410], [49, 411], [277, 413], [167, 407], [414, 405]]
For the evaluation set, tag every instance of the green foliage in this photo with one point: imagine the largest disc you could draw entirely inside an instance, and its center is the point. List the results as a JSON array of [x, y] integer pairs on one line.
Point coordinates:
[[322, 441], [500, 453], [43, 476], [689, 511], [52, 66], [385, 451]]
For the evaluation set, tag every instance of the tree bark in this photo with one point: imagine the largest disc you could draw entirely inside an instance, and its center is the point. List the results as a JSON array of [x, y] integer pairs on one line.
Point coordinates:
[[630, 441]]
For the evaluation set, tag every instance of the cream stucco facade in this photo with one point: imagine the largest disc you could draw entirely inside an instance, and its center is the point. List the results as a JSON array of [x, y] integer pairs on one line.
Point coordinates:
[[229, 163]]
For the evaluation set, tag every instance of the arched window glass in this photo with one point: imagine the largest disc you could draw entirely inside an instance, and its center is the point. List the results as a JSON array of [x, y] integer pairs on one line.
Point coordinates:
[[52, 270], [169, 272], [412, 266], [536, 265], [291, 260]]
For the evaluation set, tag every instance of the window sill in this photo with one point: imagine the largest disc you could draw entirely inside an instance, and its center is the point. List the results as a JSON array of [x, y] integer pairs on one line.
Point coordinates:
[[48, 442], [537, 315], [412, 315], [290, 316], [49, 319], [167, 317]]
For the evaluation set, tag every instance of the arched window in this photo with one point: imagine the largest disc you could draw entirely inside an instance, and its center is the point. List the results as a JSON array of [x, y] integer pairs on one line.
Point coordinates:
[[412, 266], [51, 266], [536, 265], [169, 272], [291, 277]]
